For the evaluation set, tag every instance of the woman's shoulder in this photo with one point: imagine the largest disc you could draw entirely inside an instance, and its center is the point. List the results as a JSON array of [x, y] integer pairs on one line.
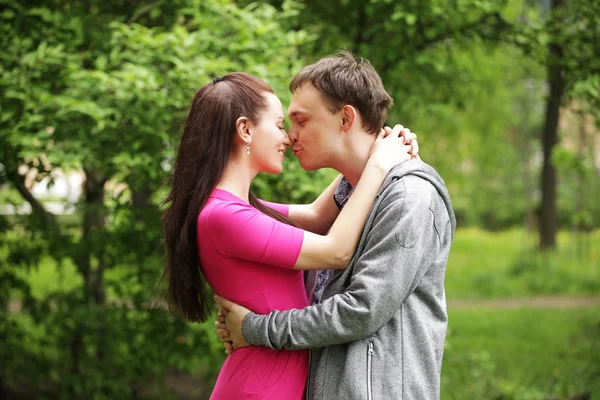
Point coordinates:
[[219, 210]]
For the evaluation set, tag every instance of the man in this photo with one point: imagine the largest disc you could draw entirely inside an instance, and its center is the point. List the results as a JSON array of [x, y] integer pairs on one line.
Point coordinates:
[[376, 329]]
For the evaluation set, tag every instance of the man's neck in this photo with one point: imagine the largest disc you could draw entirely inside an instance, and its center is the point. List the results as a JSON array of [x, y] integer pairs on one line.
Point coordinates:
[[354, 153]]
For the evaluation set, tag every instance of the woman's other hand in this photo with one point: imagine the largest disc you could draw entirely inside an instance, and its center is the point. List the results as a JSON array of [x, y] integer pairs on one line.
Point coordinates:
[[389, 149], [410, 138]]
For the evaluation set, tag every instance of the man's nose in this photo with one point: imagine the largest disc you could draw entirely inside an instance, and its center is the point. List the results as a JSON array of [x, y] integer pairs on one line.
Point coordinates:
[[293, 135]]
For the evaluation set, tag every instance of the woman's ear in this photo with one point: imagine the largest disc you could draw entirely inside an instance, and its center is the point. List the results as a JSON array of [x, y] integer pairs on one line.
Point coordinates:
[[348, 114], [242, 129]]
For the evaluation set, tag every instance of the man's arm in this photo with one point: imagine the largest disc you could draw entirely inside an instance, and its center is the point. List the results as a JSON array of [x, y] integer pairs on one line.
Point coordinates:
[[400, 247]]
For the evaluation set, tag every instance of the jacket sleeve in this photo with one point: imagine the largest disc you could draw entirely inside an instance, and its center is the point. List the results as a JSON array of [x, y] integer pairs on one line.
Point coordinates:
[[400, 246]]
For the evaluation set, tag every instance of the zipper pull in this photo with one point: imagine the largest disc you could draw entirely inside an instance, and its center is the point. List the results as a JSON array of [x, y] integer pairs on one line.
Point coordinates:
[[370, 347]]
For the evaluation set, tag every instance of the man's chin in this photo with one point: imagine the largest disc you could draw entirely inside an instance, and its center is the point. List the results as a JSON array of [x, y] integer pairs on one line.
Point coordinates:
[[308, 166]]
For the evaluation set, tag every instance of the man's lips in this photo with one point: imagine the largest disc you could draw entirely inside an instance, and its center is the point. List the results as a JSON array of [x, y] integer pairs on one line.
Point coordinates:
[[297, 151]]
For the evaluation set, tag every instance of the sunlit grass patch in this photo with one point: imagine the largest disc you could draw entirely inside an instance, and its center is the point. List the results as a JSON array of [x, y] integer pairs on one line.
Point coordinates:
[[504, 264]]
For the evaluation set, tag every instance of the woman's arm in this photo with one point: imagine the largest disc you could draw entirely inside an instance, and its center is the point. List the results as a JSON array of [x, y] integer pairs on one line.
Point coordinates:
[[335, 250]]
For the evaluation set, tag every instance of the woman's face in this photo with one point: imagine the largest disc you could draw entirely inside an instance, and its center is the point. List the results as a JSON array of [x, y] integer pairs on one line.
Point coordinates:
[[269, 138]]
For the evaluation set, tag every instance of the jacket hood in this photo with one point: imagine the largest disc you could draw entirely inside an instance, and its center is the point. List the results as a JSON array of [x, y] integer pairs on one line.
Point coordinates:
[[424, 171]]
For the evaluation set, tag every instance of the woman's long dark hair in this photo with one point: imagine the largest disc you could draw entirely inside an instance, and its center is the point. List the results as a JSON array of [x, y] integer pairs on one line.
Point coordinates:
[[203, 153]]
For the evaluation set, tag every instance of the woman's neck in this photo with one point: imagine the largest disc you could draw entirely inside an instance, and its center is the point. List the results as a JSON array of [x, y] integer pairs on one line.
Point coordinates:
[[237, 177]]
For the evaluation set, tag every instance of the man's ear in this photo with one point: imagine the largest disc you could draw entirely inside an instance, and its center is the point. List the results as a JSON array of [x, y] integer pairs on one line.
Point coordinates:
[[348, 117], [242, 129]]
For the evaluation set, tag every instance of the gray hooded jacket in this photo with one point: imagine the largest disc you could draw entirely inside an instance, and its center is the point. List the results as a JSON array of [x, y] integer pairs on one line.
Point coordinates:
[[379, 329]]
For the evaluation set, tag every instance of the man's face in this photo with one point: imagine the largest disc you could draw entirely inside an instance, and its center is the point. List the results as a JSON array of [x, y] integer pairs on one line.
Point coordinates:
[[313, 128]]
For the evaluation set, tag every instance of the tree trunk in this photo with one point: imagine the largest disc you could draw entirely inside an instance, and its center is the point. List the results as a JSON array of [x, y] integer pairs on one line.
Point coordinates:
[[140, 199], [548, 214], [94, 225], [93, 273]]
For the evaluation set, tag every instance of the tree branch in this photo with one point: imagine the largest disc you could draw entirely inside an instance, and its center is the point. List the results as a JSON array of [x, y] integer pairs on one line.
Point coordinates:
[[143, 11], [36, 207]]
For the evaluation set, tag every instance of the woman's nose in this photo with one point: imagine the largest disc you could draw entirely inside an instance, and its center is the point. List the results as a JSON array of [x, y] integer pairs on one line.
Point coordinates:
[[286, 141]]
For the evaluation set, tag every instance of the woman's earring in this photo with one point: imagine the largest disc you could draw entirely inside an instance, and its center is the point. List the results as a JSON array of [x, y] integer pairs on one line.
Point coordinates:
[[248, 148]]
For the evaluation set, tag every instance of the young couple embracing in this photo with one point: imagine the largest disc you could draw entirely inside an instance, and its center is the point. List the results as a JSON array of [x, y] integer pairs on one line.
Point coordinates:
[[339, 299]]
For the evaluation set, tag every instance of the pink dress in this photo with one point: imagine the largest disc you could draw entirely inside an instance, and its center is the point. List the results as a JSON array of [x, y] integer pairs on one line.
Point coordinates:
[[248, 257]]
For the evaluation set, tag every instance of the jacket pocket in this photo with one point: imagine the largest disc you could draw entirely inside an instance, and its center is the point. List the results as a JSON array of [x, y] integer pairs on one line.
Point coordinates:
[[370, 371]]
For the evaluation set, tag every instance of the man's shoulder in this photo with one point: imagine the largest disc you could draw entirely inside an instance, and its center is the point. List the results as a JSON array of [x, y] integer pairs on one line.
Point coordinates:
[[410, 189]]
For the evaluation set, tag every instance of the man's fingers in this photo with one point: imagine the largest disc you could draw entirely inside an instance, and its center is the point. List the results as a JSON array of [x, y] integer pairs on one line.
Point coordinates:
[[228, 347], [223, 312], [222, 315], [223, 335], [220, 325], [223, 302]]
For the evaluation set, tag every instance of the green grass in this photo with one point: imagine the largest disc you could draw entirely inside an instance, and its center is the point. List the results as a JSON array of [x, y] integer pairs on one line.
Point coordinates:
[[494, 265], [521, 354]]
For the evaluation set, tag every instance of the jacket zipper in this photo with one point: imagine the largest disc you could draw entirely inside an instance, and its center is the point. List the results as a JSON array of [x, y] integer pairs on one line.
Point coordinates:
[[370, 371], [307, 397]]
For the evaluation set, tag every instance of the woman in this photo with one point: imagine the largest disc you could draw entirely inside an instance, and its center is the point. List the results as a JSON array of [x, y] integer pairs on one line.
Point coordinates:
[[250, 251]]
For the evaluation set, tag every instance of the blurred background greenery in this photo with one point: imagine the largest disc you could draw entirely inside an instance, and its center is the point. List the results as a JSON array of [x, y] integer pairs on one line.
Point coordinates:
[[505, 97]]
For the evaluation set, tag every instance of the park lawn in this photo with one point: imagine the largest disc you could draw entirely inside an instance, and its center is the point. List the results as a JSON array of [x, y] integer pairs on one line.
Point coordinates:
[[502, 265], [521, 353]]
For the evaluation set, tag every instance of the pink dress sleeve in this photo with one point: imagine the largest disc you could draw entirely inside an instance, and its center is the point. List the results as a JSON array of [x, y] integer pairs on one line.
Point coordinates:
[[282, 208], [241, 231]]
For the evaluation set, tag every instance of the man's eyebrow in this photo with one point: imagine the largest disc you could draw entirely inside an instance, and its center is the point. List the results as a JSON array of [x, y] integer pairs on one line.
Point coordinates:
[[295, 113]]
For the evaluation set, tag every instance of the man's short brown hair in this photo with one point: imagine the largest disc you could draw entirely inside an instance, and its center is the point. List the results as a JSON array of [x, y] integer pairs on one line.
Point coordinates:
[[346, 79]]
